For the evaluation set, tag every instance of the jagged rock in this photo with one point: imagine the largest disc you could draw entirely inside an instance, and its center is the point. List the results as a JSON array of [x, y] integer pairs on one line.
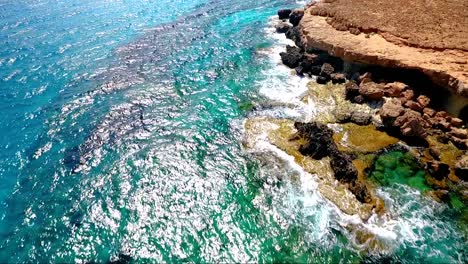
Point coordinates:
[[429, 111], [456, 122], [411, 123], [394, 89], [459, 133], [338, 78], [361, 118], [343, 167], [423, 101], [294, 35], [359, 99], [413, 105], [438, 170], [360, 191], [366, 77], [371, 91], [351, 90], [326, 70], [300, 70], [320, 141], [441, 114], [292, 56], [391, 110], [283, 27], [407, 94], [321, 80], [284, 13], [461, 168], [296, 16]]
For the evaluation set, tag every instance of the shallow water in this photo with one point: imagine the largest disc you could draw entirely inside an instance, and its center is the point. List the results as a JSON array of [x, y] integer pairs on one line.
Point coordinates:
[[121, 139]]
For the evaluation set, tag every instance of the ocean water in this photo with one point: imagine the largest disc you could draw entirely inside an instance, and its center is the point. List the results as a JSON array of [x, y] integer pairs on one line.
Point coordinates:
[[121, 137]]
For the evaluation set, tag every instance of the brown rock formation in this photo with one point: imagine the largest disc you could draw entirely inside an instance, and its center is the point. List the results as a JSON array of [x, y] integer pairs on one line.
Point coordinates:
[[430, 36]]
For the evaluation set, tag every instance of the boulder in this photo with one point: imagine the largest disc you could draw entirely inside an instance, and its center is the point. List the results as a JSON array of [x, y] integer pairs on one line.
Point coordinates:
[[343, 167], [414, 106], [284, 13], [319, 139], [429, 111], [423, 101], [394, 89], [296, 16], [391, 110], [459, 133], [351, 90], [456, 122], [326, 70], [292, 57], [438, 170], [407, 95], [361, 118], [321, 80], [411, 124], [371, 91], [461, 168], [283, 27], [338, 78]]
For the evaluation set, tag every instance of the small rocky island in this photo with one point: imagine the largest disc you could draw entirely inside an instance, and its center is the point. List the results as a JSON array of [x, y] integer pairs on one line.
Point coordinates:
[[392, 84]]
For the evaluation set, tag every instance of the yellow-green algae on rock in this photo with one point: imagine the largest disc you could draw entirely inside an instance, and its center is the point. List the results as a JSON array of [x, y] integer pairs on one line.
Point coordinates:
[[362, 139], [330, 104], [278, 133]]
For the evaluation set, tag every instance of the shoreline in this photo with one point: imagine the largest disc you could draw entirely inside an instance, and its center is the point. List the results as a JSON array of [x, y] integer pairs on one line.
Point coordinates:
[[358, 101]]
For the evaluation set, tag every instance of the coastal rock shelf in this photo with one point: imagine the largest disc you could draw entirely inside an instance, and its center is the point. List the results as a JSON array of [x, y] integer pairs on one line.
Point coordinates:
[[340, 28], [386, 103]]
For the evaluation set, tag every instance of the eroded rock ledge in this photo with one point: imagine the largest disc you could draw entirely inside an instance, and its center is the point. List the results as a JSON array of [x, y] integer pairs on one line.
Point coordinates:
[[337, 27]]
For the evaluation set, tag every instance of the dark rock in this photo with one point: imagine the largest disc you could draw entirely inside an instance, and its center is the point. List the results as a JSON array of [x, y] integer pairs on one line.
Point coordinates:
[[359, 99], [292, 56], [361, 192], [326, 70], [322, 80], [320, 139], [284, 13], [315, 70], [296, 16], [343, 167], [371, 90], [300, 70], [438, 170], [461, 168], [283, 27], [338, 78], [294, 35], [351, 90]]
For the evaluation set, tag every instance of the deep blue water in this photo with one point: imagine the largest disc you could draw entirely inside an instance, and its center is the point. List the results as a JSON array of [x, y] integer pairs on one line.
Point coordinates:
[[120, 137]]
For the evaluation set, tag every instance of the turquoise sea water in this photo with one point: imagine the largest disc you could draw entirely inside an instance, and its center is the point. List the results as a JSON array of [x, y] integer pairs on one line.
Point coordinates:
[[121, 140]]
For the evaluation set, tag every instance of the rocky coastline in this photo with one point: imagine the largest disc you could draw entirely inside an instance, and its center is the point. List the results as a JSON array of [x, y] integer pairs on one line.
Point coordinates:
[[386, 113]]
